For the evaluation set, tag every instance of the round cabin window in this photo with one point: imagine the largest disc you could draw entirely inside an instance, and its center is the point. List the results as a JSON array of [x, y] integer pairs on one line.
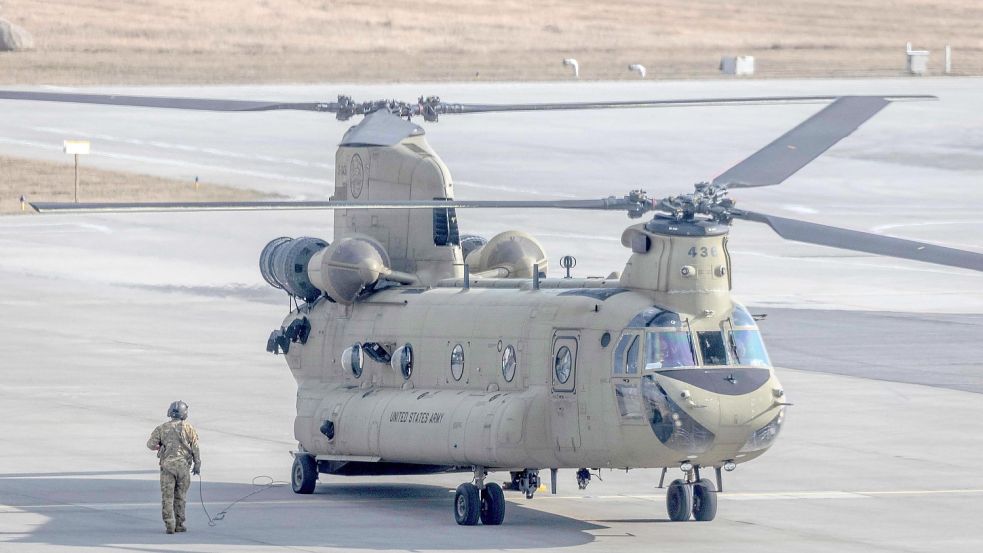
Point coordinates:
[[457, 362], [563, 364], [354, 359], [508, 363], [403, 361]]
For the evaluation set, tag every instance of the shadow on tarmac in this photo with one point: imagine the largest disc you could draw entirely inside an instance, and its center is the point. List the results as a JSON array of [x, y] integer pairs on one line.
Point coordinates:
[[96, 510]]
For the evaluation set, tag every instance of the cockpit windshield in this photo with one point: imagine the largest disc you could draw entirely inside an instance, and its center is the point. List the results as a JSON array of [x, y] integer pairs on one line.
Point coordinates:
[[669, 343], [668, 349]]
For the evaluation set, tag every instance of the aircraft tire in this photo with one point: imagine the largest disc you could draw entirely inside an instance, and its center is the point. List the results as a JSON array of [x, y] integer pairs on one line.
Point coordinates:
[[467, 504], [492, 505], [704, 500], [679, 501], [303, 475]]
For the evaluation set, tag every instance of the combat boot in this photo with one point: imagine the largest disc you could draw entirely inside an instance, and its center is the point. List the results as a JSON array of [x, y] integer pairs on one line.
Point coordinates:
[[180, 528], [168, 529]]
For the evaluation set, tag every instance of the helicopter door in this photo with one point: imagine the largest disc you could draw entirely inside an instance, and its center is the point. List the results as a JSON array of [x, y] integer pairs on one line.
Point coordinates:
[[564, 415]]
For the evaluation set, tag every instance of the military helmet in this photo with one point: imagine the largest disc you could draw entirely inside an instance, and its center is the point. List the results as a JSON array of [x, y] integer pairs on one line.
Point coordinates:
[[178, 410]]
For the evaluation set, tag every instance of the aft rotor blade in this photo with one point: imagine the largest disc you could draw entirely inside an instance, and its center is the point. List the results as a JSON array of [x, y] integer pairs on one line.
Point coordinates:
[[836, 237], [798, 147], [615, 204], [203, 104]]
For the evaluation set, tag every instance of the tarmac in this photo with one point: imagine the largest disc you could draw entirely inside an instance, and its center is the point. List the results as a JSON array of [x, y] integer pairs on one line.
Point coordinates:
[[106, 319]]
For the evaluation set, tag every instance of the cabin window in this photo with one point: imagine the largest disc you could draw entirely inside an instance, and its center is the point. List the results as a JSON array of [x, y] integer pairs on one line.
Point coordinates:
[[354, 359], [457, 362], [508, 363], [749, 349], [402, 361], [666, 350], [563, 364], [712, 347]]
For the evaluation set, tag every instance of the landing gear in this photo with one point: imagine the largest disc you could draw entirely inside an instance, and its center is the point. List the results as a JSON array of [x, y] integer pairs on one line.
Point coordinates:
[[467, 504], [303, 475], [704, 500], [679, 500], [492, 505], [479, 501], [698, 499], [583, 478], [526, 481]]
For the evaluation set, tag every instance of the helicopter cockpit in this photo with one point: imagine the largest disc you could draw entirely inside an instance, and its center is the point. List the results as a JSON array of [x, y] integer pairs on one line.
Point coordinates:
[[659, 354]]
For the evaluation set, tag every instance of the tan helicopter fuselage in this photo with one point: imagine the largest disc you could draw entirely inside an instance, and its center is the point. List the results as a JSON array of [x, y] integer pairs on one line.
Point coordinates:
[[514, 373]]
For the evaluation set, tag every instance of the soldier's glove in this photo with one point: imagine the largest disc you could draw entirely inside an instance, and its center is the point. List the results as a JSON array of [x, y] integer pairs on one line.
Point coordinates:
[[196, 469]]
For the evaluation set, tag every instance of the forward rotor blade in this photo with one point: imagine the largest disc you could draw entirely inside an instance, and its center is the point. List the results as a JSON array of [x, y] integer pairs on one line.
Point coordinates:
[[164, 102], [798, 147], [835, 237], [614, 204], [760, 100]]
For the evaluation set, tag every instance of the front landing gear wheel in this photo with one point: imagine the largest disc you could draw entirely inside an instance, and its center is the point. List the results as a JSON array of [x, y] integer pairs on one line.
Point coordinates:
[[704, 500], [303, 476], [492, 505], [467, 504], [679, 500]]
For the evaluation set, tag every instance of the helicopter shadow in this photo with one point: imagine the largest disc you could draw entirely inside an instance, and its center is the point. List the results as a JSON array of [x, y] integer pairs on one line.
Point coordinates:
[[100, 510]]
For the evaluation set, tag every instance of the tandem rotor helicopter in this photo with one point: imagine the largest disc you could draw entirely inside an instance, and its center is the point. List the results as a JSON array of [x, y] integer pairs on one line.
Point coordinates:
[[418, 349]]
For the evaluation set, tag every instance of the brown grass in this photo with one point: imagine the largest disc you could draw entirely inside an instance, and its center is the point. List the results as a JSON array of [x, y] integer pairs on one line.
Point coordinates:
[[55, 182], [222, 41]]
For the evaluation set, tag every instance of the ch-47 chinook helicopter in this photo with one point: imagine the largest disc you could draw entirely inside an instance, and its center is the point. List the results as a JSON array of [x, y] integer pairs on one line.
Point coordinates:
[[417, 349]]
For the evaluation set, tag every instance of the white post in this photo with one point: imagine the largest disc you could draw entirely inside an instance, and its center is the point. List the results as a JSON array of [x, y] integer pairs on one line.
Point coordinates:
[[948, 59], [76, 148]]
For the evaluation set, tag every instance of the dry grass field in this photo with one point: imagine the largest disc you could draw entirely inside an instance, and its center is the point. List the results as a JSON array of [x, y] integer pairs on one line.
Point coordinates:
[[55, 182], [240, 41]]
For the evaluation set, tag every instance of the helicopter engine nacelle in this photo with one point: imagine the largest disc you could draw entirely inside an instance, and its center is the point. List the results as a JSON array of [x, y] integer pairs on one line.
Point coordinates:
[[347, 267], [283, 264], [510, 254]]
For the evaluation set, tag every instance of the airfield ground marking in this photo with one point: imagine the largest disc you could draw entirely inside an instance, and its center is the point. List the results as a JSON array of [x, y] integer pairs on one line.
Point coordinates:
[[173, 162], [776, 496]]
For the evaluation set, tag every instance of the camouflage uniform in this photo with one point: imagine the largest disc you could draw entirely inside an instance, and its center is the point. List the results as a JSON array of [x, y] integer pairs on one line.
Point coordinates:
[[176, 442]]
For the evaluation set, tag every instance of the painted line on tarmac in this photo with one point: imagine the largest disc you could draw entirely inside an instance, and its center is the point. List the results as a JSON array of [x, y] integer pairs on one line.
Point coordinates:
[[215, 152], [172, 162], [764, 496]]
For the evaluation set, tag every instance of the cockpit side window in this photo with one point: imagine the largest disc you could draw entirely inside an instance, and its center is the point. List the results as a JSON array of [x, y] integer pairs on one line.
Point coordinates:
[[668, 349], [741, 317], [633, 355], [749, 348], [619, 354], [712, 347]]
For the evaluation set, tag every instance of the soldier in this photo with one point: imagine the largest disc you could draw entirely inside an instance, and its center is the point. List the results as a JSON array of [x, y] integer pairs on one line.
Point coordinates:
[[176, 444]]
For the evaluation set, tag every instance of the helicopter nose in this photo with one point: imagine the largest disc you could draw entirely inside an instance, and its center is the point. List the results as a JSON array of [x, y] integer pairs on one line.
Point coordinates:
[[725, 413]]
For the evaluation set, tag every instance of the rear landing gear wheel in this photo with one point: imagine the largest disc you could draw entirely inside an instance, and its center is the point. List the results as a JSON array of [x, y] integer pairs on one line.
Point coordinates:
[[467, 504], [679, 500], [303, 476], [704, 500], [492, 505]]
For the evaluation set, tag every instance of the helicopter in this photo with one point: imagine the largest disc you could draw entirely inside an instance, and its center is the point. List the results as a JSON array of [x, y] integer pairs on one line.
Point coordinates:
[[418, 349]]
